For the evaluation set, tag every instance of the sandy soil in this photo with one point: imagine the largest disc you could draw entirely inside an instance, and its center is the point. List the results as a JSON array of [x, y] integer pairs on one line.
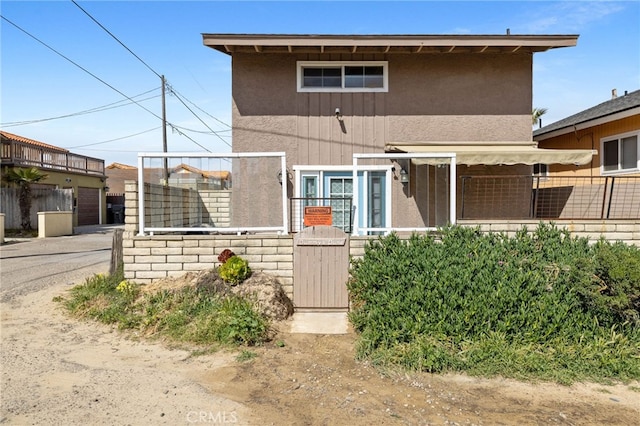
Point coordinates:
[[56, 370]]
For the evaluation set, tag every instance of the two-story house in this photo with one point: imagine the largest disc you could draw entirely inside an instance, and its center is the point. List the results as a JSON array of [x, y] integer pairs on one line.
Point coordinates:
[[323, 98]]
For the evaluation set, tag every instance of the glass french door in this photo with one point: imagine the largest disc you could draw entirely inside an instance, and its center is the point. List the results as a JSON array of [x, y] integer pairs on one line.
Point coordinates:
[[372, 213]]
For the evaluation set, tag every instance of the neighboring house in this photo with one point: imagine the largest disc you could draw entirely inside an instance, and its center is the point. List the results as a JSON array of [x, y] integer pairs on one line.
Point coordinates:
[[322, 98], [65, 170], [181, 175], [611, 129], [609, 185]]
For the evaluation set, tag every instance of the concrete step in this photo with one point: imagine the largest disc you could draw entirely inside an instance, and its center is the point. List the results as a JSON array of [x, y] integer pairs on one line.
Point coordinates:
[[320, 323]]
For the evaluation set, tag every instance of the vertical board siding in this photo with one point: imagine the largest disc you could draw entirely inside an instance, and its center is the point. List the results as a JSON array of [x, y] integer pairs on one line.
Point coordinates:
[[320, 271]]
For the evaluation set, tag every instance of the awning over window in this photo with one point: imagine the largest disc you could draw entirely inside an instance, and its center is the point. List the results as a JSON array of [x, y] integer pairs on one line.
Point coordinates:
[[506, 153]]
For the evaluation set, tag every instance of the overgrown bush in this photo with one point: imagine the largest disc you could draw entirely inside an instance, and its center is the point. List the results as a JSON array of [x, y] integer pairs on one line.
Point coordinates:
[[234, 270], [524, 306]]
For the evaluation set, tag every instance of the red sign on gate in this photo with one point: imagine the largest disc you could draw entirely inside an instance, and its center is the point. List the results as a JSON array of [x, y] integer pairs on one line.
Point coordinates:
[[314, 215]]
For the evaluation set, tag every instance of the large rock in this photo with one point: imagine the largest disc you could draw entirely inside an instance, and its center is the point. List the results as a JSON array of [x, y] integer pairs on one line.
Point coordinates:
[[264, 289]]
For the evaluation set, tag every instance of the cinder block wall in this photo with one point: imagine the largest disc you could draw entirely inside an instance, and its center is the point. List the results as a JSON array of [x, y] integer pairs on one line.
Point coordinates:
[[627, 231], [148, 258], [217, 207], [151, 257]]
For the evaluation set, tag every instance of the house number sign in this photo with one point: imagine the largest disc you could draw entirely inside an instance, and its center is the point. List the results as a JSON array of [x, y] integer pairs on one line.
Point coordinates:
[[321, 241]]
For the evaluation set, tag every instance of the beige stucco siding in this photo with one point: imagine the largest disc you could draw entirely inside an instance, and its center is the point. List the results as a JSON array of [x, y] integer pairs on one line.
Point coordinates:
[[453, 97], [431, 97]]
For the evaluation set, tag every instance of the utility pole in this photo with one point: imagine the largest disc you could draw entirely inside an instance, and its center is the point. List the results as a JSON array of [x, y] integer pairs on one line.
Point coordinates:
[[165, 180]]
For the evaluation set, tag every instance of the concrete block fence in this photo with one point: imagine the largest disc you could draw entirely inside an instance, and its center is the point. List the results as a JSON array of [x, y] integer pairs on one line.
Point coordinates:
[[626, 231], [151, 257]]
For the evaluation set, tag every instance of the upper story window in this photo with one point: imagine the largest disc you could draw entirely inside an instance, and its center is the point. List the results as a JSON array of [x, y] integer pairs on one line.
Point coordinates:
[[620, 154], [368, 76]]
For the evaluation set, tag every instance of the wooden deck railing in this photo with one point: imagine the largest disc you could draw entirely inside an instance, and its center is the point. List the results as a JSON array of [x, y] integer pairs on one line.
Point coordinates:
[[19, 154]]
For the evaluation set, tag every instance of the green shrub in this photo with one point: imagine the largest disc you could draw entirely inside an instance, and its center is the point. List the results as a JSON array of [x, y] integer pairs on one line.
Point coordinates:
[[615, 292], [491, 304], [234, 270]]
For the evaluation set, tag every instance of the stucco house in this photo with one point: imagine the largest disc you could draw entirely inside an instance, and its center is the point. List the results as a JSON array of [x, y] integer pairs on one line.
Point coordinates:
[[85, 176], [609, 185], [323, 98]]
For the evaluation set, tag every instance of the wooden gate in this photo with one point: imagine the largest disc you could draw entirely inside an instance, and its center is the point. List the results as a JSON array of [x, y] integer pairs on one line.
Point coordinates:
[[320, 269], [88, 206]]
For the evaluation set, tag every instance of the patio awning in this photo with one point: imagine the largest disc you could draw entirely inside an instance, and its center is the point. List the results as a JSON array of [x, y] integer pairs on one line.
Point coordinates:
[[504, 153]]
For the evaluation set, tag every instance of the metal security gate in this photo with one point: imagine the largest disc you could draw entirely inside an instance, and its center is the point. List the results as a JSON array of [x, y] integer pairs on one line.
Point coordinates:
[[320, 269], [88, 206]]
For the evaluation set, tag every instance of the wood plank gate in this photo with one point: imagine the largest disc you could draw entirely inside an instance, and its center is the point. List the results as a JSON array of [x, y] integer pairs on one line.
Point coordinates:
[[320, 269]]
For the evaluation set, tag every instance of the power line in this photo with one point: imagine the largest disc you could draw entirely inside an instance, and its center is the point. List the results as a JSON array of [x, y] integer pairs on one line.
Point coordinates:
[[171, 90], [216, 133], [115, 38], [116, 139], [219, 121], [79, 66], [196, 115], [176, 130], [84, 112], [153, 71]]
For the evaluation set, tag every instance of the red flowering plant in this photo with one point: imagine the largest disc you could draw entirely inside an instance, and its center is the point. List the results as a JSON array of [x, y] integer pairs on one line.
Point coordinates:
[[225, 255]]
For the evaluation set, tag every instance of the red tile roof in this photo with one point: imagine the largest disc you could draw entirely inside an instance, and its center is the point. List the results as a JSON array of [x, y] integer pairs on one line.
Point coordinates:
[[22, 139]]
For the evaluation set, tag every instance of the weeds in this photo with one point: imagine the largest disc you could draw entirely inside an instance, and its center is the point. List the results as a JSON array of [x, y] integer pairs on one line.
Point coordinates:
[[187, 315]]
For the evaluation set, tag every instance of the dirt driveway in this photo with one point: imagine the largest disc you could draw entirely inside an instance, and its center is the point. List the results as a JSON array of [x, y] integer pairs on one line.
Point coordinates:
[[56, 370]]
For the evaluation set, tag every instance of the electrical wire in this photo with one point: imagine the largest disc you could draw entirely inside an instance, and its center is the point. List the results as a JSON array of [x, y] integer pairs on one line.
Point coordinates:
[[219, 121], [175, 129], [196, 115], [115, 38], [79, 66], [159, 76], [116, 139], [84, 112]]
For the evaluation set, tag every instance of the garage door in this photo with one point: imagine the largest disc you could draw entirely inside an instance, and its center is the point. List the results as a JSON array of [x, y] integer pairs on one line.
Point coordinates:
[[88, 206]]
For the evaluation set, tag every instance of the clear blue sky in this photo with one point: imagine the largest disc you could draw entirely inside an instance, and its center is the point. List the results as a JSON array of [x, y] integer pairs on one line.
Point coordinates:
[[38, 84]]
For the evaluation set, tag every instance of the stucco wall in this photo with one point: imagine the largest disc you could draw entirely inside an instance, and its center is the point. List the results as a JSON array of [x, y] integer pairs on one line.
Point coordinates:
[[431, 97]]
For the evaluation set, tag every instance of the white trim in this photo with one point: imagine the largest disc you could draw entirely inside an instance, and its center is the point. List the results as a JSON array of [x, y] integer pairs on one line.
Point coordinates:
[[588, 124], [452, 186], [342, 64], [300, 171], [284, 229], [618, 138]]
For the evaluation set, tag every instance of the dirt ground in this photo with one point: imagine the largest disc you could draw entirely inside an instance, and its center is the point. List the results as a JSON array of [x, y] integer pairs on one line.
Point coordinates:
[[56, 370]]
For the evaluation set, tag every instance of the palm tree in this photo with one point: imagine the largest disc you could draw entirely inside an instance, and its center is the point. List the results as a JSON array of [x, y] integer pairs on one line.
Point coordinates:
[[23, 178], [536, 114]]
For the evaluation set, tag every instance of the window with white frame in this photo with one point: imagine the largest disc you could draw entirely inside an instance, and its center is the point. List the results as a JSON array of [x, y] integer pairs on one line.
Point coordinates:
[[541, 170], [620, 154], [367, 76]]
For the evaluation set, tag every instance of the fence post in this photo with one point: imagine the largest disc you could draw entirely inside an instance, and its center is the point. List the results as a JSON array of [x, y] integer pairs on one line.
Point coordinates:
[[535, 199], [613, 181], [116, 251], [464, 183], [604, 196]]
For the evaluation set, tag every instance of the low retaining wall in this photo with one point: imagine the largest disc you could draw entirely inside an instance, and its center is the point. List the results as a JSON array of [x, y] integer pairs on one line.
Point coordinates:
[[627, 231], [55, 224], [148, 258]]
